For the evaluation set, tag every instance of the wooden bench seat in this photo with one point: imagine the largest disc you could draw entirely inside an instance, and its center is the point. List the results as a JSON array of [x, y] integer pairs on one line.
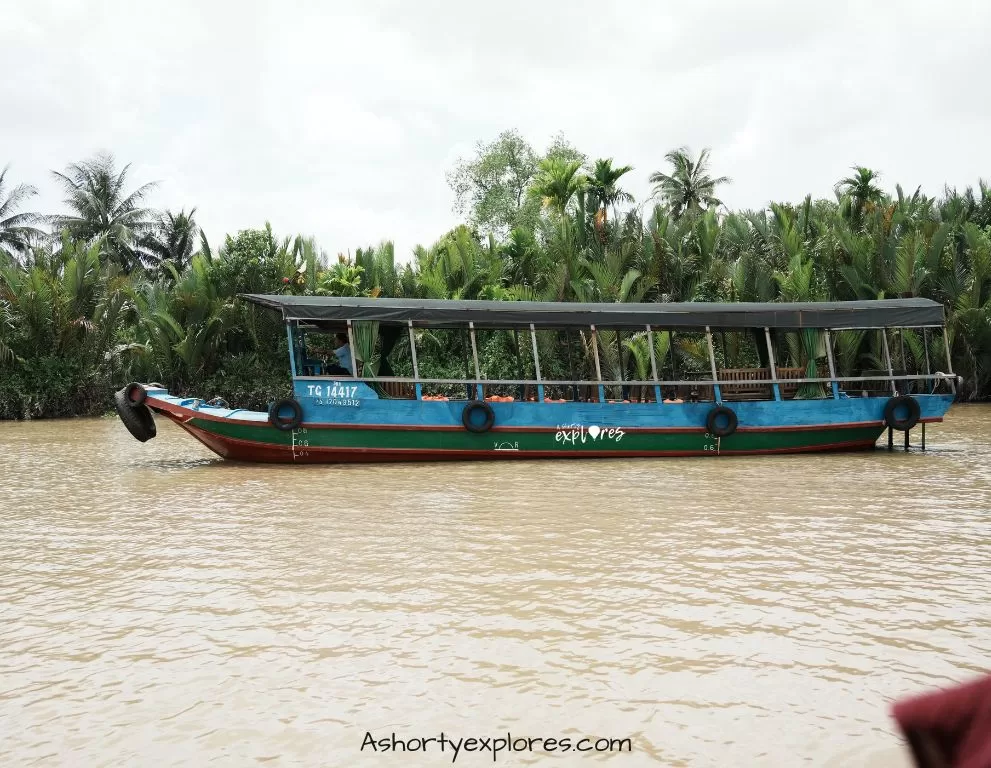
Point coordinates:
[[398, 390], [753, 383], [736, 384], [788, 389]]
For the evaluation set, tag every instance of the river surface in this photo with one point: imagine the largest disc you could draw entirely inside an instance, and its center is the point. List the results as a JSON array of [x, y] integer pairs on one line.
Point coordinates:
[[161, 607]]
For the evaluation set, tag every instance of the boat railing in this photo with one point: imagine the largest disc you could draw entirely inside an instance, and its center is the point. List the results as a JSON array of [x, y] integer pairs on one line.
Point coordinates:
[[784, 383], [632, 382], [779, 387]]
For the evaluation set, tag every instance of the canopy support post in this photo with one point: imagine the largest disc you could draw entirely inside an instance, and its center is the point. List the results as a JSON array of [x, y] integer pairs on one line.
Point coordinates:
[[536, 364], [474, 356], [571, 366], [354, 351], [949, 362], [832, 365], [624, 391], [674, 371], [774, 366], [292, 350], [464, 360], [418, 387], [712, 362], [598, 368], [521, 388], [653, 365], [887, 360]]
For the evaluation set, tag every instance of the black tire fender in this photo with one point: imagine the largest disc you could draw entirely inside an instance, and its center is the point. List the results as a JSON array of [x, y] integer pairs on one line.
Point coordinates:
[[906, 422], [136, 393], [282, 423], [476, 405], [712, 421], [136, 416]]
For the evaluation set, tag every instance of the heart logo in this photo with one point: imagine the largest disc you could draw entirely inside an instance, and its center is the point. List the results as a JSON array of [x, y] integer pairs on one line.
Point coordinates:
[[594, 431]]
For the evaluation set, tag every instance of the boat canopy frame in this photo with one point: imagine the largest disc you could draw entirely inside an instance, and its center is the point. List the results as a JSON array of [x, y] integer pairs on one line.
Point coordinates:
[[827, 317], [443, 313]]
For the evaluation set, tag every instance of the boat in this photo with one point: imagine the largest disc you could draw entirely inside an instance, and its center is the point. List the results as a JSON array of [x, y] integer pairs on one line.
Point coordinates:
[[379, 416]]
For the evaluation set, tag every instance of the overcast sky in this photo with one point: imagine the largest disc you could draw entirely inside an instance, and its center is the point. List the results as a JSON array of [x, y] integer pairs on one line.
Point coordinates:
[[339, 120]]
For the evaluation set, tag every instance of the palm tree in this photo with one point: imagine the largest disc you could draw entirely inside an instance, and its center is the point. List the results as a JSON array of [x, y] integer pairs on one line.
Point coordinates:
[[15, 229], [380, 273], [173, 240], [344, 278], [60, 317], [100, 208], [689, 188], [602, 186], [525, 263], [457, 267], [557, 183], [182, 326], [858, 193]]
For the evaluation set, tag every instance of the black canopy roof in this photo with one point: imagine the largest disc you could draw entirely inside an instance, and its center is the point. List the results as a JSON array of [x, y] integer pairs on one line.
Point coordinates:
[[439, 313]]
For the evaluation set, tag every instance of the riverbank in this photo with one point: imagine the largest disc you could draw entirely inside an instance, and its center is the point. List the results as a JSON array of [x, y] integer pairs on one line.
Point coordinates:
[[31, 394]]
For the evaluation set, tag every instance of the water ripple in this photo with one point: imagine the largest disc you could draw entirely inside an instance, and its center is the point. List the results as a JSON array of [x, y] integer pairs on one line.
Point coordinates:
[[163, 607]]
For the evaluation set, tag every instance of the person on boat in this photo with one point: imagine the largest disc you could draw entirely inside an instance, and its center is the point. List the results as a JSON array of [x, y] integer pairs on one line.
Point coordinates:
[[343, 353]]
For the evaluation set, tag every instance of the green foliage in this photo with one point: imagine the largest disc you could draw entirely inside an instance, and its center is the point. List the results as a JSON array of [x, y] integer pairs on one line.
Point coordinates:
[[121, 293], [59, 319], [54, 386], [366, 352], [183, 327], [255, 262], [493, 187], [458, 266], [342, 279], [248, 380]]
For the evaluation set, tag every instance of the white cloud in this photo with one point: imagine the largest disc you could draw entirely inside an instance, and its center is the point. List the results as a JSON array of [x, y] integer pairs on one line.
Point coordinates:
[[340, 120]]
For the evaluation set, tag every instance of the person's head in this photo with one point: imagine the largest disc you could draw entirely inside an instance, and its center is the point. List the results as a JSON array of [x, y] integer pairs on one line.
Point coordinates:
[[342, 338]]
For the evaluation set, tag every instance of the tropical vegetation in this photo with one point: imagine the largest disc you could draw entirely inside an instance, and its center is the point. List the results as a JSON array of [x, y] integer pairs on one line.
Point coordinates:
[[109, 290]]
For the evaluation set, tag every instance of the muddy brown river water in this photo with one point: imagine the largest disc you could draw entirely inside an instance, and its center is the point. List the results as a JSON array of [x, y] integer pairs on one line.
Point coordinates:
[[161, 607]]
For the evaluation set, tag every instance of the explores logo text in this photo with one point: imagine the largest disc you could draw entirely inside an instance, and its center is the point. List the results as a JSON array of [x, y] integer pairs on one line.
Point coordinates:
[[579, 434]]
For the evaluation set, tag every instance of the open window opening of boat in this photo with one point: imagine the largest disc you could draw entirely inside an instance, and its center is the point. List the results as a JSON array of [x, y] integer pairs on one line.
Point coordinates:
[[373, 380]]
